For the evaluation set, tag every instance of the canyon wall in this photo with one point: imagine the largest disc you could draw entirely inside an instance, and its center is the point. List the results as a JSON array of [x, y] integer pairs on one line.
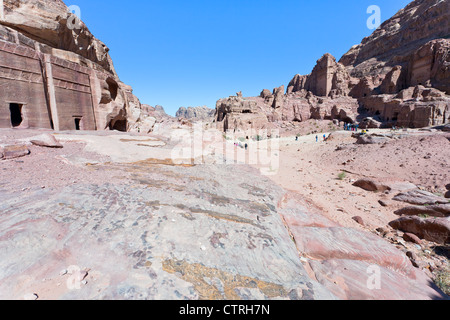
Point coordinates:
[[400, 76], [55, 74]]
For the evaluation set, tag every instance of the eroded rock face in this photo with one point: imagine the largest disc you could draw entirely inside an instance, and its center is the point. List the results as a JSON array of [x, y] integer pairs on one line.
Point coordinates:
[[236, 113], [14, 151], [432, 229], [442, 210], [398, 38], [145, 242], [46, 140], [420, 197], [195, 113], [400, 74], [56, 74], [328, 76], [49, 22], [155, 230]]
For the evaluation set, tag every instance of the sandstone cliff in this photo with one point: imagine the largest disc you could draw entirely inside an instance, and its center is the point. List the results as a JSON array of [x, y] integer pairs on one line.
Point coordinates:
[[397, 39], [55, 74], [195, 113], [400, 75]]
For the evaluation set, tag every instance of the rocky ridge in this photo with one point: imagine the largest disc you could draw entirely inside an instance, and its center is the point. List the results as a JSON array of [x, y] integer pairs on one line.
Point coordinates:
[[399, 76], [60, 76]]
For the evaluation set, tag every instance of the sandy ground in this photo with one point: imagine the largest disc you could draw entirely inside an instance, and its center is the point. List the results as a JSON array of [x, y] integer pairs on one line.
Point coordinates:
[[312, 170], [322, 173]]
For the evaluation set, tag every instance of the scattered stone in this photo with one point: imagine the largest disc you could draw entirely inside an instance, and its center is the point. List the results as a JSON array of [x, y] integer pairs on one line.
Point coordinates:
[[411, 255], [197, 113], [447, 195], [383, 231], [46, 140], [383, 203], [370, 185], [442, 210], [409, 237], [420, 197], [370, 123], [15, 151], [434, 229]]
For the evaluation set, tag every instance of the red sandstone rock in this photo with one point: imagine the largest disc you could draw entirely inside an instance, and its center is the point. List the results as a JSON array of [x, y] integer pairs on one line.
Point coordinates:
[[46, 140], [399, 74], [72, 88], [371, 185], [431, 229], [442, 210], [15, 151], [359, 220], [412, 238], [420, 197]]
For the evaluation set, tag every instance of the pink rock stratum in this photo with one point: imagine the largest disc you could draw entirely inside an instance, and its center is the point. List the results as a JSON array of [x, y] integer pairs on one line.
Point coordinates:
[[96, 202]]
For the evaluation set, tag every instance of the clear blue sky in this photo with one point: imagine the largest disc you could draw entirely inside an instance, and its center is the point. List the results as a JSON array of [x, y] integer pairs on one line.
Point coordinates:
[[194, 52]]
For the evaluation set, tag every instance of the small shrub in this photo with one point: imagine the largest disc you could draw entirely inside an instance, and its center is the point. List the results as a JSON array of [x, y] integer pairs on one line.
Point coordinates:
[[442, 280]]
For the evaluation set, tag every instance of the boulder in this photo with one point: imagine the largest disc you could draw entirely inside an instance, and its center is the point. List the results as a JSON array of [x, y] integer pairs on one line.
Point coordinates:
[[442, 210], [359, 220], [197, 113], [394, 81], [46, 140], [420, 197], [15, 151], [43, 38], [265, 93], [369, 139], [371, 185], [370, 123], [432, 229], [409, 237]]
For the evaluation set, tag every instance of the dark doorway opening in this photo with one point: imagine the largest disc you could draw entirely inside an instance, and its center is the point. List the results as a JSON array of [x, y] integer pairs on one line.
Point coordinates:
[[77, 124], [16, 114], [119, 125]]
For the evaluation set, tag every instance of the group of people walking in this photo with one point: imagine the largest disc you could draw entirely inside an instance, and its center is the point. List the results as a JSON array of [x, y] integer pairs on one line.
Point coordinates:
[[351, 127], [240, 145]]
